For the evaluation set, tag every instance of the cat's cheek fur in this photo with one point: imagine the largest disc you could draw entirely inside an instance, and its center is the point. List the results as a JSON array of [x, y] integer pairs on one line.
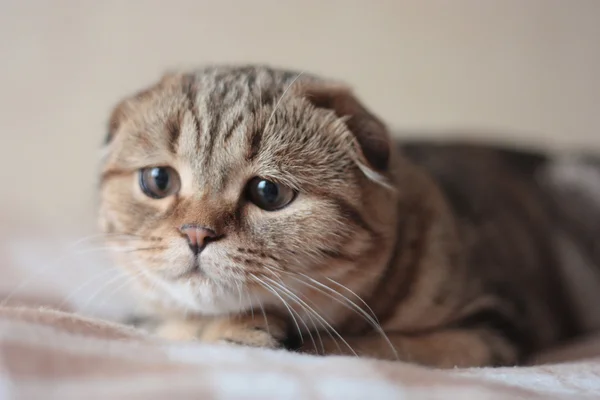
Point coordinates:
[[312, 221]]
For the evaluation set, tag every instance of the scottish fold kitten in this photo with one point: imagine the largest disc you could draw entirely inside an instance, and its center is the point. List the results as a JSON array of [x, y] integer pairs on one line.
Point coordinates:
[[268, 208]]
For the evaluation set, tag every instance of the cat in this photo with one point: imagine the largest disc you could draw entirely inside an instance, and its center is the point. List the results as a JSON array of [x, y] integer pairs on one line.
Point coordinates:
[[269, 208]]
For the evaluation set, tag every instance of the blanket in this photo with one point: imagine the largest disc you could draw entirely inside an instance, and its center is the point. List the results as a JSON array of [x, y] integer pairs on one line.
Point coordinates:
[[50, 354]]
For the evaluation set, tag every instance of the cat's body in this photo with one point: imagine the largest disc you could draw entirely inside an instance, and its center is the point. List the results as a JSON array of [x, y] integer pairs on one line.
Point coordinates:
[[264, 206]]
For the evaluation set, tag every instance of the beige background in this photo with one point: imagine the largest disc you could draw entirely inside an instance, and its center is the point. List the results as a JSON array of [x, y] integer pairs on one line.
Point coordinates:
[[519, 70], [526, 70]]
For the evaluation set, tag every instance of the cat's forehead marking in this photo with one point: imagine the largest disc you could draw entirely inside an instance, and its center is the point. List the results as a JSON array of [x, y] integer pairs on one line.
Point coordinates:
[[217, 118], [223, 123]]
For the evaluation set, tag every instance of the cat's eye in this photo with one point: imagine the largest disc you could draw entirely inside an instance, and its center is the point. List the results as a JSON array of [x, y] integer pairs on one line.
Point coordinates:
[[269, 196], [159, 182]]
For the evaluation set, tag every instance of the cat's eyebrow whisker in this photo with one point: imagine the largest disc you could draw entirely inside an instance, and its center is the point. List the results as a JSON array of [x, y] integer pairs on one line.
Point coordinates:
[[280, 99], [348, 304], [272, 290], [327, 323]]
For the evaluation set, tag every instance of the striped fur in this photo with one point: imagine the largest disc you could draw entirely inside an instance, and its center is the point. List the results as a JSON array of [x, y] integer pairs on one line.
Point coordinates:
[[454, 266]]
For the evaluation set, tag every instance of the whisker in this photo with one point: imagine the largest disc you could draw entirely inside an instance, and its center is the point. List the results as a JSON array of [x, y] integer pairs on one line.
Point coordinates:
[[355, 295], [108, 237], [79, 288], [250, 303], [296, 300], [23, 284], [318, 313], [94, 237], [272, 290], [147, 238], [328, 324], [105, 286], [116, 288], [239, 290], [31, 278], [262, 309], [97, 249], [310, 315], [350, 305], [280, 99], [147, 249]]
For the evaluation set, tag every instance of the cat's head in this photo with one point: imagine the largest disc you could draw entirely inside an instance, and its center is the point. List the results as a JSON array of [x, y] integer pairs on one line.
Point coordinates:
[[221, 182]]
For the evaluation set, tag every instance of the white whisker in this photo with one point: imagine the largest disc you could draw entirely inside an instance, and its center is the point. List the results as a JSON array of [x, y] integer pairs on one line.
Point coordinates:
[[31, 278], [355, 295], [85, 284], [350, 305], [116, 288], [280, 99], [328, 325], [272, 290], [106, 285], [262, 309], [296, 300], [247, 292]]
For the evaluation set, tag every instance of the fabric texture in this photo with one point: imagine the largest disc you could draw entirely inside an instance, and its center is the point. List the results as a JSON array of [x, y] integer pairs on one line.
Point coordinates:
[[56, 355], [50, 354]]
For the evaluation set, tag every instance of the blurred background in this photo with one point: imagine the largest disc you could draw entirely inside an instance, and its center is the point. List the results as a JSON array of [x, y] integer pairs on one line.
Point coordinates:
[[524, 72]]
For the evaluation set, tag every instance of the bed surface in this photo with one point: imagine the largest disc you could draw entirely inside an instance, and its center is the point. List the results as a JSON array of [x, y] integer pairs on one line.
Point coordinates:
[[52, 354], [55, 355]]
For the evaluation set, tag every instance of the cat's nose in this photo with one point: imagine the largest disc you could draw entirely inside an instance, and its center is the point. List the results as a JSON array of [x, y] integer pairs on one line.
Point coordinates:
[[197, 236]]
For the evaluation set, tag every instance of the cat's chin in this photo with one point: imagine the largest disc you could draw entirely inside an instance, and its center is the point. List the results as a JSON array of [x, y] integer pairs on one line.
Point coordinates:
[[197, 294]]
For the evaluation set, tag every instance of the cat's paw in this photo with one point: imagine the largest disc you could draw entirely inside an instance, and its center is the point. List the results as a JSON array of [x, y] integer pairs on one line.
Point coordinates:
[[246, 331], [240, 330]]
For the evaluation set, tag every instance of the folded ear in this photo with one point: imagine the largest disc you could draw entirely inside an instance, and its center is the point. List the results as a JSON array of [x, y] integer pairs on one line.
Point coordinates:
[[370, 133]]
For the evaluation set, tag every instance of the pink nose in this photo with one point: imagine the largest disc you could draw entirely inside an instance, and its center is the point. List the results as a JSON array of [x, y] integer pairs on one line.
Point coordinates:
[[197, 236]]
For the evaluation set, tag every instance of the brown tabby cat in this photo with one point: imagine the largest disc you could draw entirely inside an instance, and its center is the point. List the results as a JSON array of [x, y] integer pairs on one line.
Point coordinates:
[[269, 208]]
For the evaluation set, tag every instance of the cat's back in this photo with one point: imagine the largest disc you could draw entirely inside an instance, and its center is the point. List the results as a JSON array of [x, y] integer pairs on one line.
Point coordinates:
[[523, 230], [478, 179]]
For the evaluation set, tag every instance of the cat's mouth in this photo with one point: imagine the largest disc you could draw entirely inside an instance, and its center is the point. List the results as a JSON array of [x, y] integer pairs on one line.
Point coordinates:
[[194, 271]]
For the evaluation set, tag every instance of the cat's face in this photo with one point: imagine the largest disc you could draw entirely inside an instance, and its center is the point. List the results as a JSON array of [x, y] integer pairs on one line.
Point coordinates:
[[221, 184]]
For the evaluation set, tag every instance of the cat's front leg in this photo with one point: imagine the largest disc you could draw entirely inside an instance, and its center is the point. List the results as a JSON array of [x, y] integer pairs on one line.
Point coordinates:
[[244, 330]]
